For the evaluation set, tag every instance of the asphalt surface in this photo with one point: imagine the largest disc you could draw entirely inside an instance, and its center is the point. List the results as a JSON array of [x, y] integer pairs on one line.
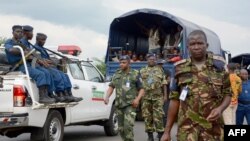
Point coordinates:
[[92, 133]]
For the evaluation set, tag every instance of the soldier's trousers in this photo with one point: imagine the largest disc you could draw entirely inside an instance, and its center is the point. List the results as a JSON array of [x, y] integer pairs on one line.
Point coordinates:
[[165, 109], [197, 133], [126, 121], [152, 111]]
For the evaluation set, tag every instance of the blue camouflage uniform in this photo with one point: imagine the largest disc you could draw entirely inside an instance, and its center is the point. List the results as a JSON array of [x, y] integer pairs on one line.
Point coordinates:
[[58, 75], [38, 75], [49, 77]]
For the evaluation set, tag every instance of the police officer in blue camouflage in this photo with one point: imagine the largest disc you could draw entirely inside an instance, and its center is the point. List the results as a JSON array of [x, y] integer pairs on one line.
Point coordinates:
[[62, 83], [129, 91], [42, 79], [39, 63]]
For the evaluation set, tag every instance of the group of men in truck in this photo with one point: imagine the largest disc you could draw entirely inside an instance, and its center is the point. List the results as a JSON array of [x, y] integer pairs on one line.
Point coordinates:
[[53, 85]]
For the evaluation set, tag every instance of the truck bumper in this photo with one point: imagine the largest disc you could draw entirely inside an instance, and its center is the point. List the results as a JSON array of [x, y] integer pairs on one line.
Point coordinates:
[[13, 120]]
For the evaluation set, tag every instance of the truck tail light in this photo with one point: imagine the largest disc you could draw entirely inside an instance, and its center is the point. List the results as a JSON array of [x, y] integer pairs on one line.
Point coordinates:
[[19, 96]]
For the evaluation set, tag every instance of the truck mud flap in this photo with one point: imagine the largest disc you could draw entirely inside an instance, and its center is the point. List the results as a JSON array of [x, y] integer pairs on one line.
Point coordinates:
[[54, 105]]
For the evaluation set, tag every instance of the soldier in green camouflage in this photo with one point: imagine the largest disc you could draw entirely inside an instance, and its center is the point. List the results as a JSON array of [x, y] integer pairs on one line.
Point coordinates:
[[154, 84], [129, 91], [202, 93]]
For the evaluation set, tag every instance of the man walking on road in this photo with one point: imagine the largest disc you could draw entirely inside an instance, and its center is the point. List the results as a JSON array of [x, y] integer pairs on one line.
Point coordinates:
[[127, 83], [202, 94], [154, 83]]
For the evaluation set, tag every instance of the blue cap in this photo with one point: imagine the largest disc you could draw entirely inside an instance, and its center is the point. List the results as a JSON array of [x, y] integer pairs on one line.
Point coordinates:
[[27, 28], [41, 35], [124, 57], [14, 27]]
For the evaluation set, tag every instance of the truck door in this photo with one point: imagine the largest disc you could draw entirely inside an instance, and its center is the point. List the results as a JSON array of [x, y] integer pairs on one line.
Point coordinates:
[[80, 88], [98, 89]]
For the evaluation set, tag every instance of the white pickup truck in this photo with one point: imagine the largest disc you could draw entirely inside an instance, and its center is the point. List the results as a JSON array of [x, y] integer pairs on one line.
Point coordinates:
[[21, 113]]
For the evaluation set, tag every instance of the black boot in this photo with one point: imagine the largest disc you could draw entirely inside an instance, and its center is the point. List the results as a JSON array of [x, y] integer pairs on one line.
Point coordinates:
[[160, 135], [53, 95], [150, 136], [71, 97], [43, 95], [61, 97], [67, 97]]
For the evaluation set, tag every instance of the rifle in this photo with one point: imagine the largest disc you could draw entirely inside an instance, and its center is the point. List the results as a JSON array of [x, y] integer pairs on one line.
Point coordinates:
[[62, 62], [58, 54]]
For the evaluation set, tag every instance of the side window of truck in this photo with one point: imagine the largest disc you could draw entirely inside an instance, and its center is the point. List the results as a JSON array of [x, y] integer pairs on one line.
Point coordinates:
[[76, 71], [93, 74]]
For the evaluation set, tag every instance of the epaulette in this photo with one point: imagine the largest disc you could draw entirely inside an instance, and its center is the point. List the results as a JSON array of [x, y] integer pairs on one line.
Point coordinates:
[[216, 57], [219, 63], [180, 62]]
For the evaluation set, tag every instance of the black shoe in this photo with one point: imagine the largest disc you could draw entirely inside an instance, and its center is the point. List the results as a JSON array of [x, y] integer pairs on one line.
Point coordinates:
[[52, 95], [67, 97], [150, 136], [43, 95], [61, 97], [46, 100], [73, 98]]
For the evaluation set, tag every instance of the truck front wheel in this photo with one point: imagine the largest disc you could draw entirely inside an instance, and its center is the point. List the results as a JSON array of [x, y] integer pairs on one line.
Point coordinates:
[[53, 129], [111, 126]]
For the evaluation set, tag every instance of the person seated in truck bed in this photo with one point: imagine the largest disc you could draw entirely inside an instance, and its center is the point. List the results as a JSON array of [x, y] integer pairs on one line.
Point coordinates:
[[63, 85], [172, 40], [134, 58], [41, 78], [153, 34], [141, 57], [175, 56]]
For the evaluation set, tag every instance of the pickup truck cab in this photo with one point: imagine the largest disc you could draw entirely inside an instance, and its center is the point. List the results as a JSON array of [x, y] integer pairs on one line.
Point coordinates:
[[21, 113]]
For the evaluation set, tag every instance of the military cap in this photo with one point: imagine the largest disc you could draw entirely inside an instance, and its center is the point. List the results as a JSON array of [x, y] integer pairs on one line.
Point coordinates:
[[27, 28], [14, 27], [124, 57], [150, 55], [41, 35], [160, 61]]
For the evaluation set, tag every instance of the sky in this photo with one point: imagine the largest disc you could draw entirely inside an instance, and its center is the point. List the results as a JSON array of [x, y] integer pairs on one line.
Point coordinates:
[[86, 22]]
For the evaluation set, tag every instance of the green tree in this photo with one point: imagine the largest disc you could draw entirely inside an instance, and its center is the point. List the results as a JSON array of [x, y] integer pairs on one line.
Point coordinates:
[[100, 64]]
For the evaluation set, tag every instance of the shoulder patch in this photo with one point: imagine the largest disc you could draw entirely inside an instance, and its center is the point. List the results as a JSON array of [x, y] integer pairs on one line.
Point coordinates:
[[180, 62], [216, 57]]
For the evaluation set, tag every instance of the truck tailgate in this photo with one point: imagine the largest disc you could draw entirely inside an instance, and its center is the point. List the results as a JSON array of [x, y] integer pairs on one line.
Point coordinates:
[[6, 98]]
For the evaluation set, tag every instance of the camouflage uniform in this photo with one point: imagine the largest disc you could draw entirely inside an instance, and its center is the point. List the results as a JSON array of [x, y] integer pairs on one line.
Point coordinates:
[[207, 88], [152, 105], [124, 97]]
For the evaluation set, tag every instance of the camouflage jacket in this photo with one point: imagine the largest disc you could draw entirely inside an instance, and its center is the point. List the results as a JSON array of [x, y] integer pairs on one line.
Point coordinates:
[[206, 90], [127, 86], [153, 78]]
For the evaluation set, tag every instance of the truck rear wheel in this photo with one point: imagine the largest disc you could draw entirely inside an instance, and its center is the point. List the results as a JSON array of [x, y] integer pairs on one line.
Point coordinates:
[[53, 129], [111, 127]]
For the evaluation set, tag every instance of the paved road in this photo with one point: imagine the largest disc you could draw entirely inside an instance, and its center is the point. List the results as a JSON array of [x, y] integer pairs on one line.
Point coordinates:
[[90, 133]]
